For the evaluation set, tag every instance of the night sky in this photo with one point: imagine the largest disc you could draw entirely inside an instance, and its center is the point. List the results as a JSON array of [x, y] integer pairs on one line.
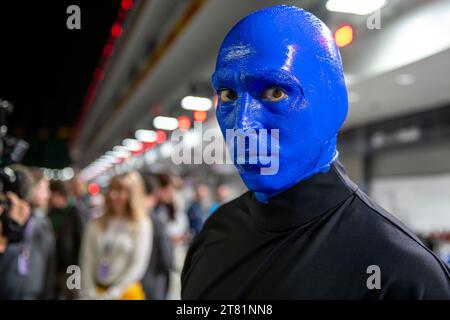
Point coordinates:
[[45, 70]]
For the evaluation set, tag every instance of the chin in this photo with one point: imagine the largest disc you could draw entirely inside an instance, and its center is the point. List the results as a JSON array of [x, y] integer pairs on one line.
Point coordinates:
[[264, 184]]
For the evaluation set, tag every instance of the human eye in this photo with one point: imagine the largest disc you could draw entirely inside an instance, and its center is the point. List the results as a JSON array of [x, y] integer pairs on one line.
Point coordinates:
[[273, 94], [227, 95]]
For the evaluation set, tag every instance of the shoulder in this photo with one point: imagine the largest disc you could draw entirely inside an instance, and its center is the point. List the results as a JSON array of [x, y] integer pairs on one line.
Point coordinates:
[[220, 223], [406, 264], [228, 213], [94, 226]]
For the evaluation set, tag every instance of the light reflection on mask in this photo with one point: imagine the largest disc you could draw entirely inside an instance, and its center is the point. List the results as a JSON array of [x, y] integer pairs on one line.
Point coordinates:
[[279, 68]]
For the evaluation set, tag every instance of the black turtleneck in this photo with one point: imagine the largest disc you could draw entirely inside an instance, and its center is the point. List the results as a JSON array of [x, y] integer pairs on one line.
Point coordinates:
[[316, 240]]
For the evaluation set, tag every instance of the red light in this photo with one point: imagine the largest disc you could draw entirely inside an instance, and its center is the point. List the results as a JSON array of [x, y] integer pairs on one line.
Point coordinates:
[[98, 74], [127, 4], [148, 145], [161, 136], [116, 30], [200, 116], [108, 49], [184, 123], [140, 150], [93, 188], [344, 36]]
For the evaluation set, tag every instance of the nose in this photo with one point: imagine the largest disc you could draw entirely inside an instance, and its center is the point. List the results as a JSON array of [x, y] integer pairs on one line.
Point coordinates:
[[246, 113]]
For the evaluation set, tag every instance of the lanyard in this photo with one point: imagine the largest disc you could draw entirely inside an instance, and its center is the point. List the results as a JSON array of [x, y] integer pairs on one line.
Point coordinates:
[[23, 262]]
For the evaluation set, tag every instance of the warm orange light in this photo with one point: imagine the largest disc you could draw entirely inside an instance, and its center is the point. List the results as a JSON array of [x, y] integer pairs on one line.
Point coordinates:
[[344, 36], [184, 123], [200, 116]]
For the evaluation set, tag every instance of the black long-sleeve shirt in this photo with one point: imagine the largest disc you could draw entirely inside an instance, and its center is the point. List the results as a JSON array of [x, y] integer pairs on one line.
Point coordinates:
[[321, 239]]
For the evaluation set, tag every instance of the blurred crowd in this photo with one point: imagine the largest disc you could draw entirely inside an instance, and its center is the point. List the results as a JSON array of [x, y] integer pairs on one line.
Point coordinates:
[[126, 242]]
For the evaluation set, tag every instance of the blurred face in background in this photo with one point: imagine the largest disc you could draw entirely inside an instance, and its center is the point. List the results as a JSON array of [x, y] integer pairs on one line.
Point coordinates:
[[77, 186], [57, 200], [118, 197], [40, 194], [166, 194], [202, 192], [126, 197], [223, 193], [151, 200]]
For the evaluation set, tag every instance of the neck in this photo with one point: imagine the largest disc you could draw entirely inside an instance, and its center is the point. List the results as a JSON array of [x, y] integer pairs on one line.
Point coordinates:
[[120, 213]]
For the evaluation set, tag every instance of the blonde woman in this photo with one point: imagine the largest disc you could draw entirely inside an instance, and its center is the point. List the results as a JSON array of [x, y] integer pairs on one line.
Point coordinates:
[[116, 247]]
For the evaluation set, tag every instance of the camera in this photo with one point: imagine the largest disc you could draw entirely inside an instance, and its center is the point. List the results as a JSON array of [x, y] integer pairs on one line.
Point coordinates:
[[12, 150]]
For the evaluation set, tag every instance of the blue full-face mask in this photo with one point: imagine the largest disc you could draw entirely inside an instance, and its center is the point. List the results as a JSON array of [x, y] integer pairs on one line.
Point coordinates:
[[279, 68]]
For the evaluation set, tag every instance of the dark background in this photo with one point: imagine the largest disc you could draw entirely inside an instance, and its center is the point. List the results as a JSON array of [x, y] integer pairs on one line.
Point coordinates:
[[45, 70]]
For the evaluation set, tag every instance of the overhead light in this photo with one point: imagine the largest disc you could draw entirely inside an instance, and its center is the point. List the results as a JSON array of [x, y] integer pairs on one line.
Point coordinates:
[[48, 174], [405, 79], [165, 123], [344, 36], [184, 123], [67, 173], [132, 145], [407, 135], [121, 152], [161, 137], [361, 7], [196, 103], [109, 157], [200, 116], [146, 135]]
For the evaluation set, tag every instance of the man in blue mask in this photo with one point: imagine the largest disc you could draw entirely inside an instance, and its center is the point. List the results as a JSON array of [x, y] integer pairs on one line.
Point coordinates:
[[304, 230]]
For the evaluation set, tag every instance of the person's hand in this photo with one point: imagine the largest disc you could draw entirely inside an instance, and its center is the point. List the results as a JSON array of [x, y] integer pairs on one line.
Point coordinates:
[[19, 210]]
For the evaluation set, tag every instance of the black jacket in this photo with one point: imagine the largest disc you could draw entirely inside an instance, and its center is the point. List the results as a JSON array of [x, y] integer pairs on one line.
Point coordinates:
[[317, 240], [156, 279], [68, 237], [38, 282]]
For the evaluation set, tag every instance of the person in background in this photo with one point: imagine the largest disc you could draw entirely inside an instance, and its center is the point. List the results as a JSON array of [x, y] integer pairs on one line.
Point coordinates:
[[42, 258], [68, 226], [198, 212], [81, 197], [223, 196], [169, 212], [156, 279], [21, 273], [117, 246]]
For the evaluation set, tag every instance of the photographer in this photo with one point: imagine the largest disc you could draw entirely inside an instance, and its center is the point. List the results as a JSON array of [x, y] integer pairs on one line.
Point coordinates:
[[15, 235], [19, 213], [27, 254]]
